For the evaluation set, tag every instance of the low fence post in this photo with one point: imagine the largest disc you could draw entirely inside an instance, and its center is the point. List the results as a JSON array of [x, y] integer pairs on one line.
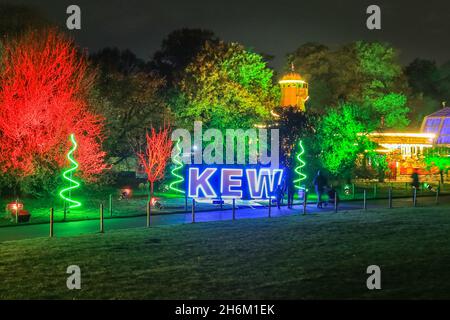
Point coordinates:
[[415, 196], [365, 199], [390, 197], [270, 206], [65, 210], [102, 227], [51, 222], [437, 194], [110, 205], [335, 202], [149, 213], [193, 210], [17, 210], [234, 209], [304, 201]]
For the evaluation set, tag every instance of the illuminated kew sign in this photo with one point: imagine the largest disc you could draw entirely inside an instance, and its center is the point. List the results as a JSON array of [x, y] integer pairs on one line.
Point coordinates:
[[226, 164], [238, 183]]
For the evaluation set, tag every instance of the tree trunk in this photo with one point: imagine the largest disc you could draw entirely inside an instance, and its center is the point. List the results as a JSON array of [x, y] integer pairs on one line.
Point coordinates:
[[151, 192], [441, 173]]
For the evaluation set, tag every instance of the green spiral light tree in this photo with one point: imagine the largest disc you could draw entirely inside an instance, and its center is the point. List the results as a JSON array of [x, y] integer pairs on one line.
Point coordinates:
[[68, 176], [179, 179], [298, 169]]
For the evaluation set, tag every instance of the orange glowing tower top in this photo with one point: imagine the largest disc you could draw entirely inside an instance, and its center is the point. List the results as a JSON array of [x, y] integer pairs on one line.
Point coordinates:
[[294, 90]]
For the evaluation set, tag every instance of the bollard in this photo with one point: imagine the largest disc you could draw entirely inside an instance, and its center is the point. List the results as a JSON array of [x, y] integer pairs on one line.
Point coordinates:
[[102, 228], [390, 198], [65, 210], [193, 210], [185, 203], [375, 191], [270, 206], [51, 222], [415, 197], [353, 190], [17, 210], [335, 202], [149, 213], [110, 205], [365, 200], [437, 195], [234, 209], [304, 201]]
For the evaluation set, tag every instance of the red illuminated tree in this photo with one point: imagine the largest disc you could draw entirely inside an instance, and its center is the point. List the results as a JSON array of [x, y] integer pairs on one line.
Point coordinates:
[[44, 87], [157, 152]]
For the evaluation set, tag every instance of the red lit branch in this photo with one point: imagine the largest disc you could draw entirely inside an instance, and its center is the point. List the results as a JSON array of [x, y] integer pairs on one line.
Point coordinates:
[[157, 153]]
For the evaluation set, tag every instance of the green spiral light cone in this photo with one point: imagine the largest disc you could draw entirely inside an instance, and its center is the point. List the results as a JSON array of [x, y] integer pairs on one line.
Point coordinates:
[[179, 179], [298, 170], [67, 175]]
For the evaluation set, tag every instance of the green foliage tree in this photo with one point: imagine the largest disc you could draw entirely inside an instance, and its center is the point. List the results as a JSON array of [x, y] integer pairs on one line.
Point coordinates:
[[360, 72], [443, 82], [178, 50], [438, 157], [129, 98], [16, 19], [392, 110], [342, 136], [226, 86], [430, 87], [423, 77], [112, 61]]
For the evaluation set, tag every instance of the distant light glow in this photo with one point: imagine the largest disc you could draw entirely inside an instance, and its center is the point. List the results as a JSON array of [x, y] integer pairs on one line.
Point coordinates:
[[291, 81]]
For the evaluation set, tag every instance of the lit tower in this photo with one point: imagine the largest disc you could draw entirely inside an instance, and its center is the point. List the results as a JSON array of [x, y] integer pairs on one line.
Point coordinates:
[[294, 90]]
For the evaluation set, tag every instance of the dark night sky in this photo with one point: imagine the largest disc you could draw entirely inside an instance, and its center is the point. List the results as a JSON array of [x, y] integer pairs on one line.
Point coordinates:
[[417, 28]]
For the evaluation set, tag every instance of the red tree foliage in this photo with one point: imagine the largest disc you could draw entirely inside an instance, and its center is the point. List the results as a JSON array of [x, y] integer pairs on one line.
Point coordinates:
[[157, 152], [44, 84]]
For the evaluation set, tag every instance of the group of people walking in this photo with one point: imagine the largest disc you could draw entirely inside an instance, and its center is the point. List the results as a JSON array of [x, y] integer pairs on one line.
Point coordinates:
[[320, 187]]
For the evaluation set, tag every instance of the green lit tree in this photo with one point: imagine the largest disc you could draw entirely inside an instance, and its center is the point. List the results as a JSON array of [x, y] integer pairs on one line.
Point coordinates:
[[391, 109], [342, 137], [226, 86], [438, 157], [359, 72]]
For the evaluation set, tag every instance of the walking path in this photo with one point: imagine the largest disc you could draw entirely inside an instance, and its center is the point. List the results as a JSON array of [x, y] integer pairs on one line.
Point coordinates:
[[75, 228]]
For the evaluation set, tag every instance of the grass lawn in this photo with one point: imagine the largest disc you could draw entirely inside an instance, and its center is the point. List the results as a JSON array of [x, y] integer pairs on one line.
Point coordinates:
[[292, 257]]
